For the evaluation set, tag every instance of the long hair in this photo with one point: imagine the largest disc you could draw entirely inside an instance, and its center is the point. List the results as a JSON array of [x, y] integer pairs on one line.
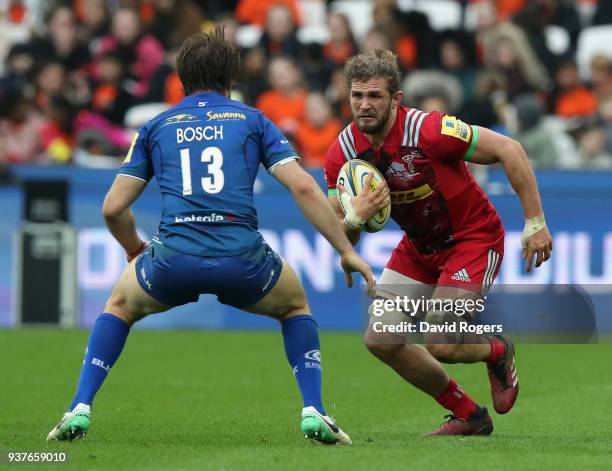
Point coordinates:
[[206, 61]]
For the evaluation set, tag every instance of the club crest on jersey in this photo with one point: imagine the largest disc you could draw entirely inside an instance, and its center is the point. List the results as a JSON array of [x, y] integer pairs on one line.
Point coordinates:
[[408, 158], [181, 118], [454, 127]]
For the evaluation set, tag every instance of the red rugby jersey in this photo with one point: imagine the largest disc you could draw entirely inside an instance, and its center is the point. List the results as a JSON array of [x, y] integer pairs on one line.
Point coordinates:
[[435, 199]]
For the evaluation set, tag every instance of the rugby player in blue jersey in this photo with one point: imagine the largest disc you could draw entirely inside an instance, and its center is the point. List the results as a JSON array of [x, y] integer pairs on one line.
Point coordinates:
[[205, 153]]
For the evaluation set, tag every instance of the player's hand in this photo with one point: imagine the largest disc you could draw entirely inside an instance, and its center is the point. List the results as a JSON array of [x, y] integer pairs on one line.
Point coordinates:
[[351, 262], [367, 203], [132, 255], [539, 245]]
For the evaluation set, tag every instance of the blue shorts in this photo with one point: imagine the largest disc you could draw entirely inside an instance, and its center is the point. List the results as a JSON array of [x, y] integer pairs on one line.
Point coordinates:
[[174, 278]]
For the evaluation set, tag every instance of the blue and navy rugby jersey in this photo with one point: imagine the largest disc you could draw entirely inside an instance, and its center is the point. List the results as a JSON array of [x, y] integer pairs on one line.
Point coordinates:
[[205, 153]]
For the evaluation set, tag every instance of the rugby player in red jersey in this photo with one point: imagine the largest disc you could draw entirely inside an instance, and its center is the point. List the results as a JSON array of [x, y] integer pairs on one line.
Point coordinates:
[[453, 242]]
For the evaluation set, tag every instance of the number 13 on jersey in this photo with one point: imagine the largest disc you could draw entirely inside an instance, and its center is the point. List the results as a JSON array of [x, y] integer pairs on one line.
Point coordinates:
[[213, 158]]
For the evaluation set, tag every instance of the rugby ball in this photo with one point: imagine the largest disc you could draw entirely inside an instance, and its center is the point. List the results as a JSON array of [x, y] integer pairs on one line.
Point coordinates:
[[351, 176]]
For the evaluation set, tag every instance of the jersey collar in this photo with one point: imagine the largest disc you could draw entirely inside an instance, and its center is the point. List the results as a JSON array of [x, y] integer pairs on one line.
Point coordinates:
[[202, 99]]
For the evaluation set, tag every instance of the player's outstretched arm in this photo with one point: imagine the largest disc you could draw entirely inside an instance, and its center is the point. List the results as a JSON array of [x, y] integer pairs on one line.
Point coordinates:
[[118, 216], [312, 203], [494, 148]]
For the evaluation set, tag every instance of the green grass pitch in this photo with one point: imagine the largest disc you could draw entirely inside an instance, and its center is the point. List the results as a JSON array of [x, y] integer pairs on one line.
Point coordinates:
[[227, 401]]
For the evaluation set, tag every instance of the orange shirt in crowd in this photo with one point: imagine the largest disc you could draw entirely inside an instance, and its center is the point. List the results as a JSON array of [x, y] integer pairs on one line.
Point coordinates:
[[579, 101], [338, 53], [254, 11], [314, 142], [407, 52], [173, 89], [505, 8], [103, 96], [287, 112]]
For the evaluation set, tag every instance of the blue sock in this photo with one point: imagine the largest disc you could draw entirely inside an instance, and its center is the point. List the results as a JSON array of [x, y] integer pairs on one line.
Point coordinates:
[[301, 337], [105, 345]]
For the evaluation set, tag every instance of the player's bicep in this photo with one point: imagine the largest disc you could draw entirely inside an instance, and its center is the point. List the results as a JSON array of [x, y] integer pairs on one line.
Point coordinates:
[[123, 192], [288, 173], [293, 177], [489, 146]]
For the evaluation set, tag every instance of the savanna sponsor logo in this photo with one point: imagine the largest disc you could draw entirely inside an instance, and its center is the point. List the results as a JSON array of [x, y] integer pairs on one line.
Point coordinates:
[[225, 116]]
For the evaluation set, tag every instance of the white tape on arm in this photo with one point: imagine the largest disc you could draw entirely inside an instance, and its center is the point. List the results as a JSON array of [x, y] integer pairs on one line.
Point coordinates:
[[532, 225], [351, 218]]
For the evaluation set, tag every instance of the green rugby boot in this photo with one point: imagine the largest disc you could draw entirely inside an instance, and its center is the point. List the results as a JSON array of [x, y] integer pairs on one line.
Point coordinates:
[[322, 429], [74, 424]]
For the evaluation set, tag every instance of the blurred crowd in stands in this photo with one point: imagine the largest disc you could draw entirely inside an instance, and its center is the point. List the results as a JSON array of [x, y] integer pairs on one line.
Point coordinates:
[[78, 77]]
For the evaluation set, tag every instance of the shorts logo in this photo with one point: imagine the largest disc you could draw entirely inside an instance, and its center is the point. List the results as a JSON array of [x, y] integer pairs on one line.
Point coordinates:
[[313, 355], [454, 127], [269, 281], [144, 278], [462, 275]]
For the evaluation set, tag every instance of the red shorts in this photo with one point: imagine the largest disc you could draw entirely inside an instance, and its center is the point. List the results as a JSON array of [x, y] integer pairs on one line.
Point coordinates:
[[471, 265]]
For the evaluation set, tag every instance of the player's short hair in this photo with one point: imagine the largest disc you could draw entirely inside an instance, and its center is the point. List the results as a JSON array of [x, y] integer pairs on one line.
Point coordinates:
[[206, 61], [380, 63]]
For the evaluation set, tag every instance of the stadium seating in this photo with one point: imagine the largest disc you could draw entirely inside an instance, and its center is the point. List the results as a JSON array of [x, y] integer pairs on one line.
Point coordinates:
[[359, 13], [557, 39], [593, 40], [314, 22], [138, 115], [442, 14], [247, 36]]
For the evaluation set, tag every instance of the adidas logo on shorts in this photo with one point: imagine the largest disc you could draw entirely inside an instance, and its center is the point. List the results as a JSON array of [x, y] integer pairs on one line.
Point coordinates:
[[461, 275]]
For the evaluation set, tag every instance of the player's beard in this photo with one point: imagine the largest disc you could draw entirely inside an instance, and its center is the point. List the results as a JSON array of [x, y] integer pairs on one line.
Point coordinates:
[[376, 126]]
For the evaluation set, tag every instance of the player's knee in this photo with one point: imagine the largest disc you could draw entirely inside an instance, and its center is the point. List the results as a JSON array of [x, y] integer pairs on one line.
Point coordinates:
[[444, 352], [385, 349], [298, 306], [384, 352], [293, 306], [117, 305]]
